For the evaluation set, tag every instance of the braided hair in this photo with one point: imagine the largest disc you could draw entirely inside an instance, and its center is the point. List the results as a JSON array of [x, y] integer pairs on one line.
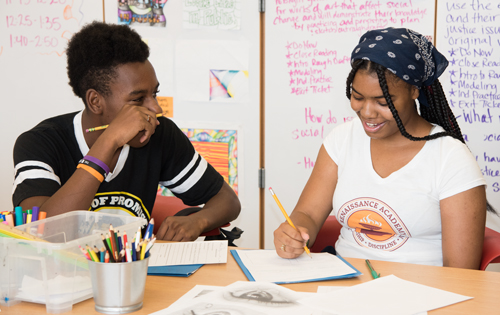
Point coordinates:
[[438, 112]]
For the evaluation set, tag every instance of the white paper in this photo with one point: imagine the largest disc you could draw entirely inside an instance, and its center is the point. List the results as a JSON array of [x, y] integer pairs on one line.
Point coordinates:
[[188, 253], [388, 295], [242, 298], [188, 298], [266, 265]]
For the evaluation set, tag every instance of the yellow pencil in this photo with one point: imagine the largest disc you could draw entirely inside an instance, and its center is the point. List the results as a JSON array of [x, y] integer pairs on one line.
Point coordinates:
[[143, 249], [106, 126], [287, 217]]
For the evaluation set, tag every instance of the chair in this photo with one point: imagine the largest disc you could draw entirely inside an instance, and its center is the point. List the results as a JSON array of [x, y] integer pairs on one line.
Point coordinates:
[[491, 248], [330, 231], [166, 206]]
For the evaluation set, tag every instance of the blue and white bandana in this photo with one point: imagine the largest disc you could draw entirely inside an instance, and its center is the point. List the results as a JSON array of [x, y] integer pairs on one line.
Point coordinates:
[[404, 52]]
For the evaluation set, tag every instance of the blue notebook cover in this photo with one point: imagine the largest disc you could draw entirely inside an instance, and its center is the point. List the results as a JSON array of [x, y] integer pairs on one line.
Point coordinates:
[[250, 278], [174, 271]]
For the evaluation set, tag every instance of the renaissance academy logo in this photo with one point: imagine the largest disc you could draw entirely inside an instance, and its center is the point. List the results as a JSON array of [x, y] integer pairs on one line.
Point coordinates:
[[373, 224]]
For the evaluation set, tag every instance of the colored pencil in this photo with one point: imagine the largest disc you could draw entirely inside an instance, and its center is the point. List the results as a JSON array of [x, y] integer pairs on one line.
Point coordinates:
[[143, 249], [149, 229], [85, 253], [134, 252], [148, 247], [124, 239], [106, 244], [128, 250], [103, 254], [91, 253]]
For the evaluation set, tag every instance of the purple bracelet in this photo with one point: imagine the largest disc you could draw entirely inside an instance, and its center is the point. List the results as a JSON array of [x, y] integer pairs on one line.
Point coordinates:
[[98, 162]]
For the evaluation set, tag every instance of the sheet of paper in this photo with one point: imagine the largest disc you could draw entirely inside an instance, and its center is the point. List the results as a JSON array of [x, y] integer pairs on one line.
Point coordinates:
[[188, 253], [266, 265], [187, 299], [243, 297], [388, 295]]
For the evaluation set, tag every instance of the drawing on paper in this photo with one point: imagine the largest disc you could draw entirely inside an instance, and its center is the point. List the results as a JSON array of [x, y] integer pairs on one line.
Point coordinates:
[[264, 296], [219, 148], [142, 12], [215, 309], [228, 83], [212, 14]]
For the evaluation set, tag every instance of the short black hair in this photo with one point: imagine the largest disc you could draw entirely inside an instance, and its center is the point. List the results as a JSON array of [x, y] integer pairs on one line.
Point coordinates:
[[96, 50]]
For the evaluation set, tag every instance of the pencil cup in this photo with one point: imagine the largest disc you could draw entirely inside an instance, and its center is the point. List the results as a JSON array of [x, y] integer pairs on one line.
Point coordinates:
[[118, 287]]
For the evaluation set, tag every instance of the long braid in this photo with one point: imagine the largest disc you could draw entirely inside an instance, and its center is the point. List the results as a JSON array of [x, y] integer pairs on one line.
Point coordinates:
[[381, 72], [355, 67], [446, 119]]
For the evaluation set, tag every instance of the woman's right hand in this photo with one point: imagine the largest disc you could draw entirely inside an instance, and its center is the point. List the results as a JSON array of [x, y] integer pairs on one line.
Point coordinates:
[[289, 242]]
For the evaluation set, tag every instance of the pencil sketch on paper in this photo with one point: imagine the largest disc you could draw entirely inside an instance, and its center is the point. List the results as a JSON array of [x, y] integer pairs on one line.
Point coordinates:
[[141, 12], [212, 14], [215, 309], [260, 295], [231, 84]]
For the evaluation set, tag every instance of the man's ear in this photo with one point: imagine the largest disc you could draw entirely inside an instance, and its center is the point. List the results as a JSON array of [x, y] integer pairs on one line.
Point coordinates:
[[95, 101]]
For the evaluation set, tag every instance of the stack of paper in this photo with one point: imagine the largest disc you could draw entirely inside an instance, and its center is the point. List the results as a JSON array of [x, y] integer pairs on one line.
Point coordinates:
[[183, 259]]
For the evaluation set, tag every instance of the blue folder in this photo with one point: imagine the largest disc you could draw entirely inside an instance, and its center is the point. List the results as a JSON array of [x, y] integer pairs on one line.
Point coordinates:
[[174, 271], [250, 277]]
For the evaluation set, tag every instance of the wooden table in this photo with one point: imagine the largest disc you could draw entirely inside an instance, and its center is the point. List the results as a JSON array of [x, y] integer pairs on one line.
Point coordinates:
[[484, 286]]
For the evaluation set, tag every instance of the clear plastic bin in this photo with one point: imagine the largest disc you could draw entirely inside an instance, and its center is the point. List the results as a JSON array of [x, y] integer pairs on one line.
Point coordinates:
[[56, 273]]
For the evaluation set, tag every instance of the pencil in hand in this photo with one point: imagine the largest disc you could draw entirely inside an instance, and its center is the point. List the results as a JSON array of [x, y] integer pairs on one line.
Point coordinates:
[[287, 217]]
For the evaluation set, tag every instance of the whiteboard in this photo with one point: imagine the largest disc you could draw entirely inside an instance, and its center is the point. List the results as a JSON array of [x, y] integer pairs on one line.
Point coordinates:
[[33, 80], [308, 49], [468, 34]]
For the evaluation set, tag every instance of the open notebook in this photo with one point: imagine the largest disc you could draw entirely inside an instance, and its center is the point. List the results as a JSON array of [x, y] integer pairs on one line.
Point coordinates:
[[266, 265]]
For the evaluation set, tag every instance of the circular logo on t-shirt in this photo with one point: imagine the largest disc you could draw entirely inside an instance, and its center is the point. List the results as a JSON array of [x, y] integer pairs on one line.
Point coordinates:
[[373, 224]]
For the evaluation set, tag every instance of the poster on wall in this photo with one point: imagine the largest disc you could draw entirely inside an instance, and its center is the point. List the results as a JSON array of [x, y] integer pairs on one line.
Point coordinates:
[[142, 12], [208, 71], [219, 147], [212, 14]]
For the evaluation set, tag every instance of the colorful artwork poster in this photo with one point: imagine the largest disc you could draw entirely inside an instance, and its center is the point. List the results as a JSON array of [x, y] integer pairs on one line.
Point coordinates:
[[142, 12], [212, 14], [231, 84], [220, 148]]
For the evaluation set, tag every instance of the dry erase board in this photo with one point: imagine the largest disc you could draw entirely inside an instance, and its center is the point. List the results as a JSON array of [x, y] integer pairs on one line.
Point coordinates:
[[33, 80], [468, 34], [308, 48]]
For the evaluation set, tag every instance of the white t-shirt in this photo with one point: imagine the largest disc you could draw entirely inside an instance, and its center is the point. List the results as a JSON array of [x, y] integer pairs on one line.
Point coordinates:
[[396, 218]]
